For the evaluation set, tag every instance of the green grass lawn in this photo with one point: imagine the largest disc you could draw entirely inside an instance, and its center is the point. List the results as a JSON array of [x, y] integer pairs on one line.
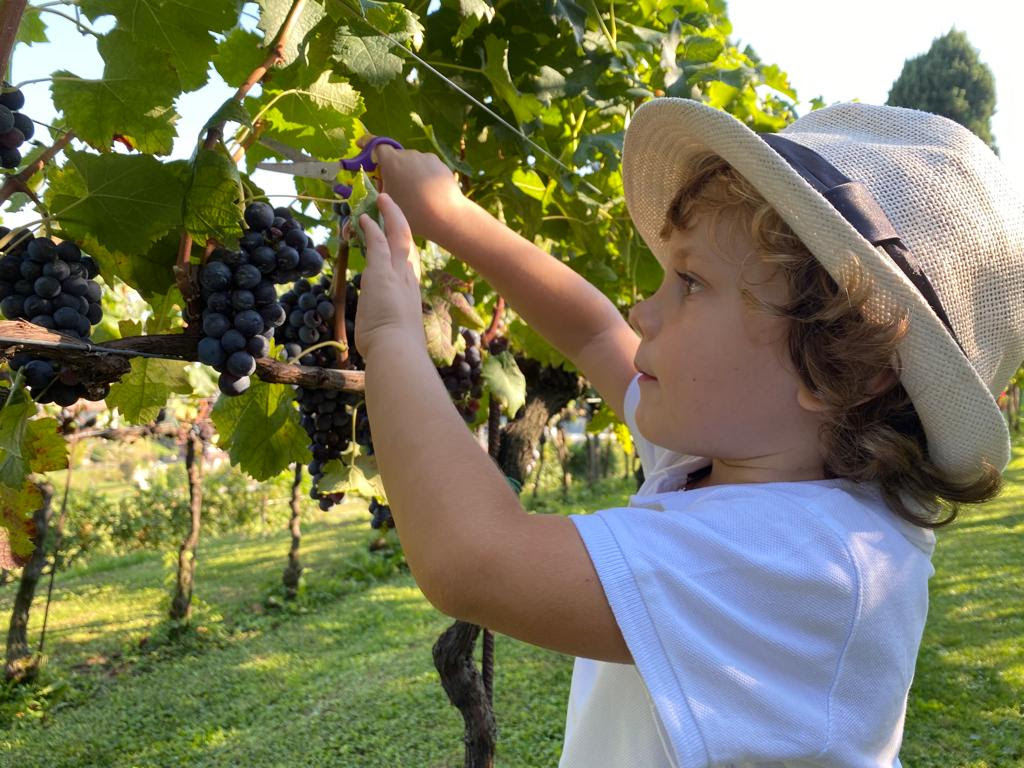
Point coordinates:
[[346, 677]]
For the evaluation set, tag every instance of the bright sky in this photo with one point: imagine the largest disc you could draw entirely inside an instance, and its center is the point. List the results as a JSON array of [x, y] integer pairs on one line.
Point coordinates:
[[855, 50], [838, 51]]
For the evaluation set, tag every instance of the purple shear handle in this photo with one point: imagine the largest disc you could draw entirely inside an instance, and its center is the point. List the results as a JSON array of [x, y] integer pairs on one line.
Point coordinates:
[[363, 160]]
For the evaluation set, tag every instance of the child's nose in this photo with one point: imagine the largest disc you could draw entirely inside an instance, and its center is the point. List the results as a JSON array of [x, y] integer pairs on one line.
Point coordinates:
[[640, 318]]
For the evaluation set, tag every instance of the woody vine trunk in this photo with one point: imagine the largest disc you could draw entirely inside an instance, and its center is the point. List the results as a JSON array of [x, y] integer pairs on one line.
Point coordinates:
[[20, 665], [181, 604]]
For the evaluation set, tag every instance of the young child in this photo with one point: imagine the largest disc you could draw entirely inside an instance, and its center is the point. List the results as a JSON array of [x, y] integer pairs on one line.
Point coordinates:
[[811, 391]]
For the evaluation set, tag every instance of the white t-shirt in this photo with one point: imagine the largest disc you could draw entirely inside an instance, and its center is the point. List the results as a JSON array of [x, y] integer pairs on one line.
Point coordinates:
[[771, 624]]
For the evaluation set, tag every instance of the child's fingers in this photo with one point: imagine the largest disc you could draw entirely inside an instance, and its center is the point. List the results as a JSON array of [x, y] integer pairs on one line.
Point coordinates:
[[397, 226], [373, 236]]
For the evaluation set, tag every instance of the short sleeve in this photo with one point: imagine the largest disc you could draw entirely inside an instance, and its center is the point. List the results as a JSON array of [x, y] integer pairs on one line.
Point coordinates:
[[736, 610]]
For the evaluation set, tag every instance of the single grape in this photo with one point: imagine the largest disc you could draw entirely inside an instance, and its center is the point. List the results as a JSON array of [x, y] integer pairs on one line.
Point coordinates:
[[76, 286], [273, 315], [219, 301], [247, 276], [69, 252], [310, 262], [6, 119], [249, 322], [44, 321], [94, 314], [259, 215], [215, 324], [24, 124], [38, 373], [210, 352], [30, 270], [48, 287], [242, 299], [232, 341], [12, 139], [65, 317], [240, 363], [232, 385], [215, 276], [41, 249], [58, 269], [12, 97], [258, 346]]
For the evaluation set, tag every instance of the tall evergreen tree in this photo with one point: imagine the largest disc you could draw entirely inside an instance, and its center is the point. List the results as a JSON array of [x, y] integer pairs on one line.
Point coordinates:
[[949, 80]]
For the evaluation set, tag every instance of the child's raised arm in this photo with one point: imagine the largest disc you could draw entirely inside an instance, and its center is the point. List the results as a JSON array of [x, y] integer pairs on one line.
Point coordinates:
[[573, 315]]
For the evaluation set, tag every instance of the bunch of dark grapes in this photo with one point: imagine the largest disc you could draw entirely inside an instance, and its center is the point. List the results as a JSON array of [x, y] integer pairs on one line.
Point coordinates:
[[15, 127], [326, 414], [51, 285], [241, 307], [381, 515], [462, 378]]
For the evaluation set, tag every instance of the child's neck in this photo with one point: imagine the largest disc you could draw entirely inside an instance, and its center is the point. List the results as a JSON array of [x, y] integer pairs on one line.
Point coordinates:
[[725, 472]]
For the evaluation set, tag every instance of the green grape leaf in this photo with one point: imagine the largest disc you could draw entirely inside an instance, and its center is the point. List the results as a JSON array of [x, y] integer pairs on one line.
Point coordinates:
[[701, 49], [473, 13], [260, 430], [529, 183], [32, 28], [318, 118], [149, 272], [213, 199], [14, 465], [441, 336], [363, 200], [17, 529], [231, 111], [179, 28], [27, 445], [132, 99], [524, 106], [238, 55], [505, 382], [573, 13], [352, 473], [273, 14], [141, 394], [393, 19], [125, 202], [367, 57], [600, 421], [45, 446]]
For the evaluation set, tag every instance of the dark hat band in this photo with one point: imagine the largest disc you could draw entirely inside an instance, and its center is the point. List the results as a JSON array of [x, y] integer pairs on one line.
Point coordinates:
[[855, 203]]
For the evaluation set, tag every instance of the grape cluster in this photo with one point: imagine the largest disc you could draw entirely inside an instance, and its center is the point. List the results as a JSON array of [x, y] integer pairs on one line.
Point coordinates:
[[51, 285], [462, 378], [15, 127], [326, 414], [381, 515], [241, 307]]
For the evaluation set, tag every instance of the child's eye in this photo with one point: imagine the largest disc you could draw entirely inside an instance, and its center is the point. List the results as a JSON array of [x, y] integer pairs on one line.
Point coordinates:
[[692, 284]]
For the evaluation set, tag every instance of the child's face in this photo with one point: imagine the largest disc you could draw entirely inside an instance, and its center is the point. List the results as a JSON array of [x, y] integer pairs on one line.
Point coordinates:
[[724, 386]]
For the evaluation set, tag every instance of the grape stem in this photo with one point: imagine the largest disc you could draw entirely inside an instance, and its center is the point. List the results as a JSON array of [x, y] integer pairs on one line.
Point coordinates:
[[339, 297], [495, 327], [18, 182], [321, 345], [10, 20]]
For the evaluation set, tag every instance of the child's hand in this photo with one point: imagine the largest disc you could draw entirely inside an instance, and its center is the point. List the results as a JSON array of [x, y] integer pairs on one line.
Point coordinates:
[[389, 295], [424, 188]]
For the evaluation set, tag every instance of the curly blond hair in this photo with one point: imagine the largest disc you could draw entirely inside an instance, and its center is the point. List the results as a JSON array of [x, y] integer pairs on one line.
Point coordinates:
[[848, 359]]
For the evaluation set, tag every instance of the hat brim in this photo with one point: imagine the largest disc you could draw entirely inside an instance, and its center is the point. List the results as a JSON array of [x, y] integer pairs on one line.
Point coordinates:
[[662, 138]]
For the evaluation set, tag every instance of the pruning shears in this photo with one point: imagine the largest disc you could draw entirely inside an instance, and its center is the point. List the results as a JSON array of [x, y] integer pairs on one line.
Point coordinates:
[[311, 168]]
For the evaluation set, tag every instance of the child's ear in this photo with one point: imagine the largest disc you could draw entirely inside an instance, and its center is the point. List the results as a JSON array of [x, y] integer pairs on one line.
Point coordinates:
[[811, 401], [808, 400]]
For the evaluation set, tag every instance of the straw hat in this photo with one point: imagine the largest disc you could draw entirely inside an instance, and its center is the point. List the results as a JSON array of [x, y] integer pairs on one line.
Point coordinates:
[[946, 222]]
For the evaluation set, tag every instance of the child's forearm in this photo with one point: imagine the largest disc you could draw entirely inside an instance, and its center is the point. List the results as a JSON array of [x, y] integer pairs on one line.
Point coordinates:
[[447, 497], [553, 299]]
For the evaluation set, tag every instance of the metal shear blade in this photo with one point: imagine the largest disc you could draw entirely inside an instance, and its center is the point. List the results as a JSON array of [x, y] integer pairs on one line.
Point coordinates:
[[311, 168]]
